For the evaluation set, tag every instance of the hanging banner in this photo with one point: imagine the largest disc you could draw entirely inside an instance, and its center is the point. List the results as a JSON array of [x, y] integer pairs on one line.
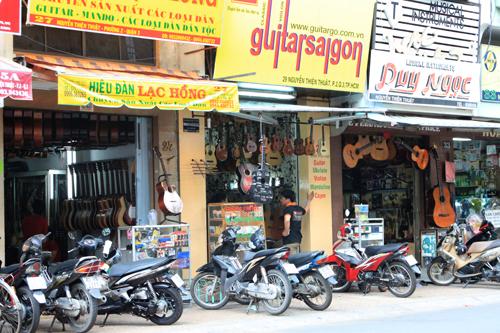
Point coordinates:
[[311, 44], [10, 16], [138, 94], [190, 21], [423, 81], [15, 81], [490, 74]]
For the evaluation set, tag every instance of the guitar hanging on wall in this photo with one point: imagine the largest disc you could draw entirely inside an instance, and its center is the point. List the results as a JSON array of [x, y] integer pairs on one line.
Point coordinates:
[[261, 190], [444, 214], [353, 153], [169, 201], [418, 155]]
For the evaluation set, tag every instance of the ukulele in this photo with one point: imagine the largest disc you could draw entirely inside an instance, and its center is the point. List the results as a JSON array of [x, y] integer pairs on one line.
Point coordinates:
[[261, 190], [298, 143], [444, 214], [310, 150], [236, 151], [322, 145], [288, 143], [273, 156], [353, 153], [210, 159], [169, 201], [379, 150], [221, 149], [277, 143], [418, 155]]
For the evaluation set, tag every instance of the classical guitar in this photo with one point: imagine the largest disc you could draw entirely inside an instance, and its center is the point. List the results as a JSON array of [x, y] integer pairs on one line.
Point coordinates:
[[273, 155], [379, 150], [261, 190], [210, 159], [353, 153], [169, 201], [298, 143], [250, 145], [418, 155], [245, 171], [323, 145], [121, 202], [221, 150], [444, 214], [310, 149]]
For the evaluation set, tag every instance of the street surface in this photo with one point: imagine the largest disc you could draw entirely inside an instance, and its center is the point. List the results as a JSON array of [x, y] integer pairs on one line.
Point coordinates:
[[429, 309]]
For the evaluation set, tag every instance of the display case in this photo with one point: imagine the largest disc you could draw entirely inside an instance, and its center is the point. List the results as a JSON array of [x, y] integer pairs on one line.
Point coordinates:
[[368, 232], [248, 216], [156, 241]]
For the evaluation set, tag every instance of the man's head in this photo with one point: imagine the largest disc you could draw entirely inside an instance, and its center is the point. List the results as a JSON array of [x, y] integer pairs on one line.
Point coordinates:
[[286, 197]]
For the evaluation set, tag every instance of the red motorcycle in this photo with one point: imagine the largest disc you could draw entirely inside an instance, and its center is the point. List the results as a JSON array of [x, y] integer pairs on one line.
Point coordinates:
[[388, 266]]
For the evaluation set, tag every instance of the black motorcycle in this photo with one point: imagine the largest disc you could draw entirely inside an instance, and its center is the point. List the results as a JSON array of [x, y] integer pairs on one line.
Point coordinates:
[[261, 280], [143, 288]]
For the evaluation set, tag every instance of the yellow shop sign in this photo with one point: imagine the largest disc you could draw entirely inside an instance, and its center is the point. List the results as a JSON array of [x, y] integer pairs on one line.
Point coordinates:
[[311, 44], [138, 94], [191, 21]]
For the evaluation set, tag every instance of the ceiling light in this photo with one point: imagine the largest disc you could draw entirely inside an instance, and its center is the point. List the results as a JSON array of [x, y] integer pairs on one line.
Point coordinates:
[[266, 95], [268, 87], [462, 139]]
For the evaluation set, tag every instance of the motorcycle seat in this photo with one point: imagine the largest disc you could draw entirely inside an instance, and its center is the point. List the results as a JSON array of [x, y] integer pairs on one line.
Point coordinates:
[[136, 266], [479, 247], [374, 250], [9, 269], [270, 252], [64, 266], [303, 258]]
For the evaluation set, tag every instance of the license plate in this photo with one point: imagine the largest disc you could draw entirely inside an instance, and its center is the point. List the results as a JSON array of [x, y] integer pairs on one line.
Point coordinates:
[[36, 282], [177, 280], [411, 260], [290, 269], [40, 297], [326, 271], [94, 282]]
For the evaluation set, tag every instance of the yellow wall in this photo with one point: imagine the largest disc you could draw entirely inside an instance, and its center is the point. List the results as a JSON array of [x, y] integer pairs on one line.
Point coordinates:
[[193, 190], [317, 225]]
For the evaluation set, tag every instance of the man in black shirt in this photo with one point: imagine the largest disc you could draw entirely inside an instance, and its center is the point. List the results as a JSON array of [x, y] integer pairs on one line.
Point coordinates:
[[293, 213]]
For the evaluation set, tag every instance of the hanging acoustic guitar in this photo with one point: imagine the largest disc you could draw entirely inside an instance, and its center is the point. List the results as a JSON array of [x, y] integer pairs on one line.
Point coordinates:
[[418, 155], [169, 201], [353, 153], [444, 214]]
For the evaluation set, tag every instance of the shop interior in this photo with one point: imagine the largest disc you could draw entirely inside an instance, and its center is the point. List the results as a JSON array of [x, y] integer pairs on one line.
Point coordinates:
[[66, 172]]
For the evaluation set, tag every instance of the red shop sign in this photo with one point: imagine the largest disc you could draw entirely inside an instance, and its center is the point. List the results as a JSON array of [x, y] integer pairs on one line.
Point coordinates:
[[10, 16], [15, 81]]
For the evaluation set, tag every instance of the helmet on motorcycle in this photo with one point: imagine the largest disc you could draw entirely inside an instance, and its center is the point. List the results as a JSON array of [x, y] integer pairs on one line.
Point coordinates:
[[461, 249], [345, 230], [474, 221]]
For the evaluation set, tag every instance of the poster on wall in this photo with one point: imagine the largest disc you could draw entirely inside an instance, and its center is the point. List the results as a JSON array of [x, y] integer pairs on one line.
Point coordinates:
[[15, 81], [425, 52], [310, 44], [10, 16], [490, 74], [428, 246], [193, 21]]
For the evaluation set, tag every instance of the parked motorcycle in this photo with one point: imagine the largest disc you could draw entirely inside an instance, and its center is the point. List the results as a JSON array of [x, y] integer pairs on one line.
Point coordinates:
[[481, 260], [143, 288], [73, 286], [260, 279], [310, 281], [29, 284], [388, 266]]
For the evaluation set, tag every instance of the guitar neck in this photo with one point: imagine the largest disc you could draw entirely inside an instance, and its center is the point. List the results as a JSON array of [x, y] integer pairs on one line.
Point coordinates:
[[163, 168]]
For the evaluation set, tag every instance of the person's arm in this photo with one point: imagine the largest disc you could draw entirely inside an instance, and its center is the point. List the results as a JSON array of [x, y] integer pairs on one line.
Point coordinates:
[[310, 198], [286, 223]]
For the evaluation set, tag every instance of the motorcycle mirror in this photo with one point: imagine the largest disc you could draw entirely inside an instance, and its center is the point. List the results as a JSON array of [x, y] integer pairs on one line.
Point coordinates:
[[106, 232], [71, 235], [347, 212]]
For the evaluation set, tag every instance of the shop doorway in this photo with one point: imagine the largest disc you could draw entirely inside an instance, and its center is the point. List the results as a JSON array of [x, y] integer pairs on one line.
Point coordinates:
[[60, 169]]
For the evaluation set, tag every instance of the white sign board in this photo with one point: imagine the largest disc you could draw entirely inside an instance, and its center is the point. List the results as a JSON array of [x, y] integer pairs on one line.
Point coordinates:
[[398, 78], [493, 216]]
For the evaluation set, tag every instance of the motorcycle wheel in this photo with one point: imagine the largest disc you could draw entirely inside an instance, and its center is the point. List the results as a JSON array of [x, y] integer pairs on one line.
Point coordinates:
[[364, 287], [174, 308], [207, 291], [323, 300], [31, 311], [10, 309], [403, 270], [440, 272], [86, 320], [278, 305], [342, 284]]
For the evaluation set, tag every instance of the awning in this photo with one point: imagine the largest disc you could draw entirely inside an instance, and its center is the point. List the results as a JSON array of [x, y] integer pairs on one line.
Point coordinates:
[[15, 80], [432, 122], [111, 84]]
